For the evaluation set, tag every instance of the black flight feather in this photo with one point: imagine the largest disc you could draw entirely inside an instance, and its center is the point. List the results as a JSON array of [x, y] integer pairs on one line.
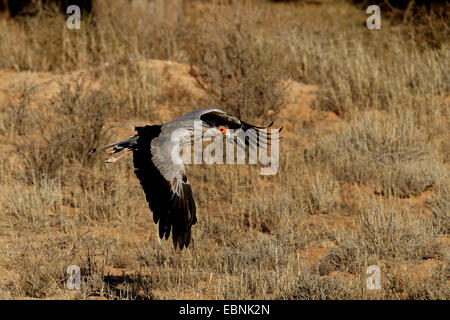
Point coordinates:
[[174, 213]]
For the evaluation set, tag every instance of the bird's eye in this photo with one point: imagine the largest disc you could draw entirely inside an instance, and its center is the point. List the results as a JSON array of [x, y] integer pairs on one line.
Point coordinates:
[[222, 129]]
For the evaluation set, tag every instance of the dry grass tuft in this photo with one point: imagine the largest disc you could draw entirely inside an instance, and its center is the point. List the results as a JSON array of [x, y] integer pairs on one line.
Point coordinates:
[[385, 233], [391, 153]]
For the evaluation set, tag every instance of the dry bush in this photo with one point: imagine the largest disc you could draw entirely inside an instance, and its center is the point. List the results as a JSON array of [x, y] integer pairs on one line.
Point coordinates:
[[429, 26], [435, 288], [267, 254], [385, 233], [133, 86], [392, 232], [17, 117], [237, 65], [390, 153], [107, 197], [81, 114], [321, 193], [440, 208], [345, 257], [78, 123], [310, 286], [34, 207], [398, 284], [259, 268], [139, 90], [129, 287]]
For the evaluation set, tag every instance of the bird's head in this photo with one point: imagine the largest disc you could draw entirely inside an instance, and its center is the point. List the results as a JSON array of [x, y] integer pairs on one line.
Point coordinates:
[[217, 123]]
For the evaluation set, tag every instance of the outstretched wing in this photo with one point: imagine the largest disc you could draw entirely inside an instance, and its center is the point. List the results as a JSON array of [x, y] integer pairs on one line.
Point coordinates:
[[255, 137], [165, 185]]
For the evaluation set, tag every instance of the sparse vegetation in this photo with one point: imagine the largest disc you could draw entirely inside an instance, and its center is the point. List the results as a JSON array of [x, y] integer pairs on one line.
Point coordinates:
[[386, 150], [364, 160]]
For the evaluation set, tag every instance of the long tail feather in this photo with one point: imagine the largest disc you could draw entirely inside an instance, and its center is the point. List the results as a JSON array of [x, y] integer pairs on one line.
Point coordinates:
[[118, 146]]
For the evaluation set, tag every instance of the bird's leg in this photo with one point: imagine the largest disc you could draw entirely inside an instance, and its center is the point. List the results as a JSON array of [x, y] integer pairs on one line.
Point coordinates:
[[112, 159]]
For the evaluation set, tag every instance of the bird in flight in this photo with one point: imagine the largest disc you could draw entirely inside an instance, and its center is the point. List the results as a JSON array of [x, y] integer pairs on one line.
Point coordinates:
[[164, 181]]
